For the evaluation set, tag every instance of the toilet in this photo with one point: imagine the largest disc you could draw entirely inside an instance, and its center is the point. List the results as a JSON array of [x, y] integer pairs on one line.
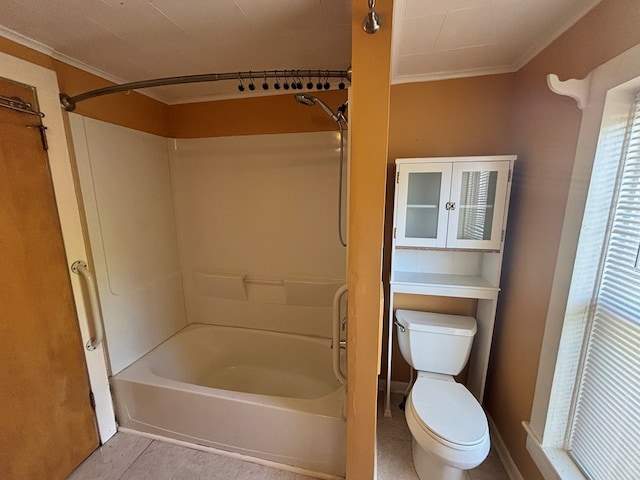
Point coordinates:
[[449, 428]]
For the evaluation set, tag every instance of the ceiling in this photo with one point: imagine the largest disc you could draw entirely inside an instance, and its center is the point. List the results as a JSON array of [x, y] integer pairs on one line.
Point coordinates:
[[131, 40]]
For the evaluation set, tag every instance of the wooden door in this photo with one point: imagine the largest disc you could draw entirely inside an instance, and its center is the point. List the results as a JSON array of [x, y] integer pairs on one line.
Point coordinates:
[[47, 424]]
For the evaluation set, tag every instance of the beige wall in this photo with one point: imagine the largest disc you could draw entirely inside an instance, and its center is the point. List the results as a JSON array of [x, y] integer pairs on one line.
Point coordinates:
[[468, 116], [504, 114], [544, 135]]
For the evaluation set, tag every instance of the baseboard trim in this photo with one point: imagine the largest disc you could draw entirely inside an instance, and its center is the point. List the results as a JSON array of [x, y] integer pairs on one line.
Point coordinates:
[[396, 387], [503, 452]]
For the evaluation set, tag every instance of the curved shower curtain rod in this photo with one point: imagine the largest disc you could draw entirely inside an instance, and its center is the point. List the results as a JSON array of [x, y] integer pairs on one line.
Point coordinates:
[[69, 102]]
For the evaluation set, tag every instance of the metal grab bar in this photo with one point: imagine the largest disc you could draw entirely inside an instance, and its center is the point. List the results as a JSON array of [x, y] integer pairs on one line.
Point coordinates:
[[81, 269], [335, 344]]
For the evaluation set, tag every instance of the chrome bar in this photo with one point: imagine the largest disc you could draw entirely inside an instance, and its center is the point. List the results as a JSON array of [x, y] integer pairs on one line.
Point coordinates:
[[336, 343], [19, 105], [69, 103], [81, 269]]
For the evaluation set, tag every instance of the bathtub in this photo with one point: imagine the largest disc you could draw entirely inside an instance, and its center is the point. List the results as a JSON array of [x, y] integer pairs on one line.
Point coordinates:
[[271, 396]]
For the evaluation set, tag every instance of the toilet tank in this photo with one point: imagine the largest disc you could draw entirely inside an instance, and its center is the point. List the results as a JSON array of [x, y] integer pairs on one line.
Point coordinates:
[[435, 342]]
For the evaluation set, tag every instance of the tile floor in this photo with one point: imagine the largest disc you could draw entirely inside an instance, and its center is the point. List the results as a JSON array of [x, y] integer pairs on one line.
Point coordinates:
[[130, 457]]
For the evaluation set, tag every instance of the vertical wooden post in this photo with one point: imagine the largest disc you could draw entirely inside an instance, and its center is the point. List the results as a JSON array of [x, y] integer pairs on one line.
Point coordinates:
[[369, 123]]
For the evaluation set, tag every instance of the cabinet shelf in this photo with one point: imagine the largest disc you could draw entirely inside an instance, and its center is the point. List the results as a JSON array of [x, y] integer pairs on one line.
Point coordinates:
[[441, 284]]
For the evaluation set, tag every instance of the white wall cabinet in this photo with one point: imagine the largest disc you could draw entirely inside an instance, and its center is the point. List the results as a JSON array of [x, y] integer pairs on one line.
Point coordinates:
[[450, 215], [445, 204]]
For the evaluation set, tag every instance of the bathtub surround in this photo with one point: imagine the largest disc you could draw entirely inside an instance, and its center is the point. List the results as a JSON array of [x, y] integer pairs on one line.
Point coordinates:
[[126, 190], [255, 221], [227, 241], [257, 229]]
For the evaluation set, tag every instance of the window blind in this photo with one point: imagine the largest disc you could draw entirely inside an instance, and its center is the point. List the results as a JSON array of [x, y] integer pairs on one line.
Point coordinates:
[[604, 432]]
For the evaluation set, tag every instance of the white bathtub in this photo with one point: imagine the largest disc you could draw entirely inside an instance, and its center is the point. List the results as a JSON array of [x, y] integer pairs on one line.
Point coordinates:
[[268, 395]]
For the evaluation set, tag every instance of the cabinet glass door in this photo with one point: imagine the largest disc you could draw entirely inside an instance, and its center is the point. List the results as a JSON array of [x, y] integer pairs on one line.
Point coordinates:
[[423, 190], [478, 190]]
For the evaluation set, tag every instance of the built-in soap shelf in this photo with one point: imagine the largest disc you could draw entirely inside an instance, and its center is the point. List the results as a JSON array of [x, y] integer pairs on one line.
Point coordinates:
[[248, 288]]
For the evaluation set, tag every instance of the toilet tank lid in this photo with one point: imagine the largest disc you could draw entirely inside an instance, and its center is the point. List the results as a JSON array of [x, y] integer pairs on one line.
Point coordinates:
[[437, 322]]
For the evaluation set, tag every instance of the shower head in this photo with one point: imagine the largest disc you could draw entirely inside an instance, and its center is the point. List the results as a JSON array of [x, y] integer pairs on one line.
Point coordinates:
[[310, 100], [305, 99]]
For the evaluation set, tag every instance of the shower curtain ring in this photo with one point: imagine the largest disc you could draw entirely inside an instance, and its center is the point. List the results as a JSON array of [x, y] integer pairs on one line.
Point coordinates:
[[241, 86], [309, 83]]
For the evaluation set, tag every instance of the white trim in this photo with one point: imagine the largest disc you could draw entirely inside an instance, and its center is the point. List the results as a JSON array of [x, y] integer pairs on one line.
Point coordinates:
[[46, 84], [503, 452], [576, 89], [553, 463], [609, 83], [396, 387], [447, 75]]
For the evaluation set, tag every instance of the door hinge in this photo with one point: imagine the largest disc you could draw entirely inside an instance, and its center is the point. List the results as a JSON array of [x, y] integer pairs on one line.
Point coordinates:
[[43, 135], [509, 176], [502, 237], [397, 177], [92, 400], [394, 232]]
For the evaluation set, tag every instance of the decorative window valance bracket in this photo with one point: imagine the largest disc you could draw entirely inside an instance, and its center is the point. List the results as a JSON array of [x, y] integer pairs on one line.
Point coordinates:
[[574, 88]]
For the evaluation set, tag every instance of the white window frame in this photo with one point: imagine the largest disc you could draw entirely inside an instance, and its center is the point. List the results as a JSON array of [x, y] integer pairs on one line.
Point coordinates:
[[606, 96]]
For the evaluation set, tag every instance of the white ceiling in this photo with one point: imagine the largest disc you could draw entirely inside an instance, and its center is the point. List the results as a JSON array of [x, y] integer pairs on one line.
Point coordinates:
[[130, 40], [435, 39]]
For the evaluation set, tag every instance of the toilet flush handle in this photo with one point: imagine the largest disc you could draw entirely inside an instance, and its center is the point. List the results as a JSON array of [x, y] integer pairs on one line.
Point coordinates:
[[399, 325]]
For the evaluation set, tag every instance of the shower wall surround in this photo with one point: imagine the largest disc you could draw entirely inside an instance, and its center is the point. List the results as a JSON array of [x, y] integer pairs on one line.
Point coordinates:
[[126, 191], [238, 231], [257, 226]]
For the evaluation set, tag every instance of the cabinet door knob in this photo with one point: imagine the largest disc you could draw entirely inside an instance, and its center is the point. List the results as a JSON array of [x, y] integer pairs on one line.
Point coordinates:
[[450, 205]]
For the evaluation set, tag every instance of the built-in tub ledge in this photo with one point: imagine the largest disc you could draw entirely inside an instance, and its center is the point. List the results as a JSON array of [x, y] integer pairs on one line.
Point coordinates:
[[243, 287], [574, 88]]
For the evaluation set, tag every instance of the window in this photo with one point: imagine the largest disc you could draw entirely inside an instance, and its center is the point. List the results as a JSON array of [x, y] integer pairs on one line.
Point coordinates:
[[603, 435], [585, 421]]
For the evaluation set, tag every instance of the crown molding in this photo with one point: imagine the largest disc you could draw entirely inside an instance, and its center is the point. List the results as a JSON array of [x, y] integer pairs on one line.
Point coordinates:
[[447, 75], [51, 52]]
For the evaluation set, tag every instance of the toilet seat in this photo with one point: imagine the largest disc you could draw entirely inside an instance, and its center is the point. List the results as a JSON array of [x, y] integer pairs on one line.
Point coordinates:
[[448, 412], [447, 422]]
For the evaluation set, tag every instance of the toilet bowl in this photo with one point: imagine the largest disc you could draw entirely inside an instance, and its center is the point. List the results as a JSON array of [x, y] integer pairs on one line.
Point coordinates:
[[449, 428]]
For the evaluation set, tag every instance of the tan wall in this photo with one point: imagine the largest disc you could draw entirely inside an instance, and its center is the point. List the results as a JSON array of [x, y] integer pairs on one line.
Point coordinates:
[[469, 116], [254, 116], [545, 129]]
